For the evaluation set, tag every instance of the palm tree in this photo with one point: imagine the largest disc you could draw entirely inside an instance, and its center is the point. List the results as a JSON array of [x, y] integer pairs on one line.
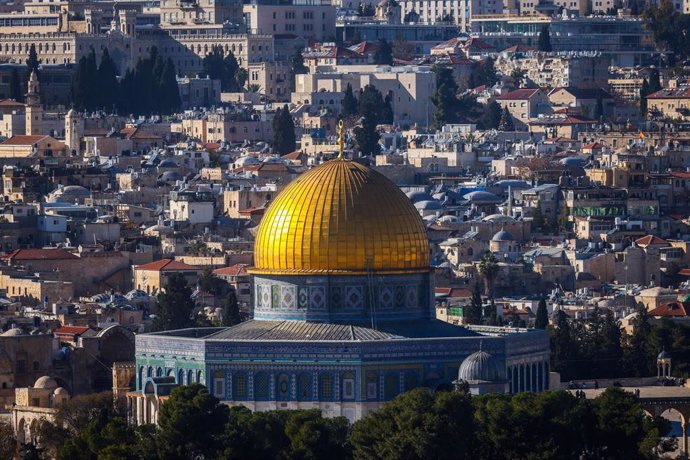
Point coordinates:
[[488, 268]]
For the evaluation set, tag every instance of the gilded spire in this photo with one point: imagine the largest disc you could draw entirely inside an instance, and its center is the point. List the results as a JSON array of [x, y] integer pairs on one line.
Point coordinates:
[[341, 139]]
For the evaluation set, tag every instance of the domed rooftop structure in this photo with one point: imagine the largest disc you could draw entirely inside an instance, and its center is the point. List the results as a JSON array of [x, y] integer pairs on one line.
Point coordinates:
[[664, 355], [481, 367], [341, 218], [14, 332], [45, 382], [76, 190], [60, 391], [498, 218], [418, 196], [428, 205], [502, 235], [479, 196]]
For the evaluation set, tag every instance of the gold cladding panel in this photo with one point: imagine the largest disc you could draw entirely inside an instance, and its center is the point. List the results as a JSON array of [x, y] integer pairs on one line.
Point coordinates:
[[341, 217]]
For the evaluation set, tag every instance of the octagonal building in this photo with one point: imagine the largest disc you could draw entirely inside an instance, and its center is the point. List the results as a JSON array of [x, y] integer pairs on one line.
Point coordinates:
[[343, 315]]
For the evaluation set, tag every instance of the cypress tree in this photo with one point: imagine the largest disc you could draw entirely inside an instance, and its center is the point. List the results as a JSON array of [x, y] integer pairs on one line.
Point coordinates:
[[544, 43], [542, 319], [107, 82], [170, 101], [384, 53], [491, 117], [32, 62], [506, 123], [284, 140], [16, 92], [387, 111], [348, 107]]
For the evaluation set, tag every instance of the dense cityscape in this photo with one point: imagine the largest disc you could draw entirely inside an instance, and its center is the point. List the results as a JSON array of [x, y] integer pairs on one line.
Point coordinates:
[[320, 229]]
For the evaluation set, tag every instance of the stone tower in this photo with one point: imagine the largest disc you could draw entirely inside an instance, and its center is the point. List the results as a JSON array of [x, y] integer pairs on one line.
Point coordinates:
[[34, 109], [73, 131]]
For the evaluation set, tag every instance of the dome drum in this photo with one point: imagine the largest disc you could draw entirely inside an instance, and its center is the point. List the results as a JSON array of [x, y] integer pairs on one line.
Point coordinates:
[[343, 298]]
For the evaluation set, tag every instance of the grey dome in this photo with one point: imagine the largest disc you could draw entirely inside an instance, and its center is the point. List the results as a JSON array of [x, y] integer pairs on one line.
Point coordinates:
[[45, 382], [498, 218], [418, 196], [428, 205], [664, 355], [479, 196], [503, 236], [481, 367], [76, 190]]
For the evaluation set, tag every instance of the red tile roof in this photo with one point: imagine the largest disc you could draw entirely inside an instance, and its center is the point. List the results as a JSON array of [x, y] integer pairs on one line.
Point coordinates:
[[167, 265], [454, 292], [40, 254], [518, 94], [71, 330], [234, 270], [672, 309], [23, 140], [650, 240]]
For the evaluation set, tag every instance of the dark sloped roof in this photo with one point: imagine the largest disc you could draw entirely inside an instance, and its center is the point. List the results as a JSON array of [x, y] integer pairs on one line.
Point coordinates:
[[307, 331]]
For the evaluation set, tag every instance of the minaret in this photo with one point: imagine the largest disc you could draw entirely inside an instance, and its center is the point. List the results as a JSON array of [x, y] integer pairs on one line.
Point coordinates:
[[72, 131], [34, 109]]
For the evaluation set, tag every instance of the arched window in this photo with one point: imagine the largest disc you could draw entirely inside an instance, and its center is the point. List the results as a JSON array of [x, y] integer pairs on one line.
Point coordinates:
[[219, 384], [283, 387], [326, 387], [180, 377], [304, 387], [149, 372], [391, 385], [199, 377], [348, 386], [261, 386], [470, 252], [372, 385], [239, 386], [159, 372], [190, 377]]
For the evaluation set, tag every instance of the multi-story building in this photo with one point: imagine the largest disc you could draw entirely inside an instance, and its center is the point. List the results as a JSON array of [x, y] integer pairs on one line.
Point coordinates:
[[670, 103], [410, 87], [551, 70], [303, 18], [523, 104]]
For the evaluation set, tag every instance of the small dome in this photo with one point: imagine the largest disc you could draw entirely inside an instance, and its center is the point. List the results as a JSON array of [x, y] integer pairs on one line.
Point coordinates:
[[498, 218], [60, 391], [167, 164], [503, 236], [573, 161], [418, 196], [14, 332], [76, 190], [428, 205], [247, 160], [481, 367], [479, 196], [664, 355], [45, 382]]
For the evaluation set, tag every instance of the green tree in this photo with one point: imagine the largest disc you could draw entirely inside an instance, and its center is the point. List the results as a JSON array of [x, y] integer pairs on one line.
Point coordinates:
[[32, 62], [563, 347], [419, 424], [488, 269], [224, 68], [8, 443], [315, 437], [542, 319], [506, 123], [387, 110], [16, 92], [370, 107], [175, 305], [107, 93], [544, 43], [384, 53], [190, 423], [483, 73], [297, 67], [644, 92], [231, 310], [599, 108], [474, 312], [211, 283], [84, 91], [168, 89], [491, 115], [445, 98], [640, 359], [348, 107], [284, 140]]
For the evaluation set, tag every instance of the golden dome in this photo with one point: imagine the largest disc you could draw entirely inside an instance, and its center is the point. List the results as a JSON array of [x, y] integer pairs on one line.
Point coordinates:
[[341, 217]]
